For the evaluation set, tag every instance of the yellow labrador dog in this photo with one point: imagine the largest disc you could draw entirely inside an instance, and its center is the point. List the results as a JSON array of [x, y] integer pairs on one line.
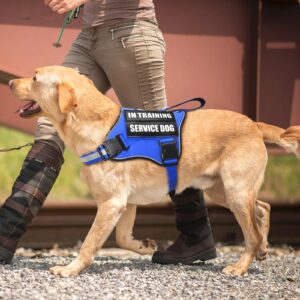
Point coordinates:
[[223, 153]]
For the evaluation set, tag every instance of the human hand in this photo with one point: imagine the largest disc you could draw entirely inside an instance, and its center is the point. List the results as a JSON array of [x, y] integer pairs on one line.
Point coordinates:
[[63, 6]]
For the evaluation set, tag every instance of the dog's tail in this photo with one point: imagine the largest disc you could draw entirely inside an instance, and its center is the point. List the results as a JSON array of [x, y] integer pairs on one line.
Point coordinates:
[[289, 139]]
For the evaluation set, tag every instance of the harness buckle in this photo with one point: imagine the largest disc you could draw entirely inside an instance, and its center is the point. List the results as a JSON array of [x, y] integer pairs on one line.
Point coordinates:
[[112, 147], [169, 152]]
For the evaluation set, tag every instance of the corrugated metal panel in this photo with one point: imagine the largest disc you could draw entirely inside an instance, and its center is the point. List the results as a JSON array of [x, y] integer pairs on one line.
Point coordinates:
[[279, 92]]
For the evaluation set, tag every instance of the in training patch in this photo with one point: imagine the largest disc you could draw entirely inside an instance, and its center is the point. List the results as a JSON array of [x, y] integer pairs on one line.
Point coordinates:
[[150, 123]]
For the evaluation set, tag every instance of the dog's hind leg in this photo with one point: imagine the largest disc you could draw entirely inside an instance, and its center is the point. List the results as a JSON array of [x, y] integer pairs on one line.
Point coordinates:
[[242, 173], [108, 214], [243, 210], [124, 236], [262, 213], [242, 176]]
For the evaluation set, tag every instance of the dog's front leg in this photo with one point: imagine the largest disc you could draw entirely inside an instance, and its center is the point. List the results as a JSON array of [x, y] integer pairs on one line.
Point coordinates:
[[124, 236], [107, 216]]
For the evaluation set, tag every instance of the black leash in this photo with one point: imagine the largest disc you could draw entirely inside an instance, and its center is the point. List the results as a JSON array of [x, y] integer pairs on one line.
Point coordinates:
[[15, 148]]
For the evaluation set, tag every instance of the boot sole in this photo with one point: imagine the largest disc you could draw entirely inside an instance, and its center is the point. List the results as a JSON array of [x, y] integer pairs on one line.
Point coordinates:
[[6, 256], [203, 256]]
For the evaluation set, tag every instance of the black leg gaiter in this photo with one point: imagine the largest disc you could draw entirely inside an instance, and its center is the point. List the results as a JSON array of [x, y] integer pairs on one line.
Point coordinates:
[[38, 174]]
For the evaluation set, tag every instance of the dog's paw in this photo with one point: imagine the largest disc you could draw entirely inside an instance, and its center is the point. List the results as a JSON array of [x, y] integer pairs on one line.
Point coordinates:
[[151, 244], [64, 271], [234, 270], [147, 247], [262, 253]]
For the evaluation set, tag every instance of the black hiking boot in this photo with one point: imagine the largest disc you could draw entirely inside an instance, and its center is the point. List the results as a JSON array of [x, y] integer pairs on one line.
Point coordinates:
[[195, 241]]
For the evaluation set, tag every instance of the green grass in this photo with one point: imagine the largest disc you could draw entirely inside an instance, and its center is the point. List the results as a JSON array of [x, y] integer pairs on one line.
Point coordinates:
[[282, 180], [68, 185]]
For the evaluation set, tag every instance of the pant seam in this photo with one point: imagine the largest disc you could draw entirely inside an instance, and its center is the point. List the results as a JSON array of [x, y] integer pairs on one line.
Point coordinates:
[[153, 90], [137, 73]]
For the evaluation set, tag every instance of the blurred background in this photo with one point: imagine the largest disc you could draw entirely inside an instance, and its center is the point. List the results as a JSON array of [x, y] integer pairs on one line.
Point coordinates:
[[240, 55]]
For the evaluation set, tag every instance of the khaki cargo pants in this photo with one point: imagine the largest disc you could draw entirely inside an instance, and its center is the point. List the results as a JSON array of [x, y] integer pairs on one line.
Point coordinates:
[[129, 57]]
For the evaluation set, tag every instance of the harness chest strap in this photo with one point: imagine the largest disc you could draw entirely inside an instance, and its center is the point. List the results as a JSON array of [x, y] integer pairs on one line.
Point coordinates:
[[114, 146]]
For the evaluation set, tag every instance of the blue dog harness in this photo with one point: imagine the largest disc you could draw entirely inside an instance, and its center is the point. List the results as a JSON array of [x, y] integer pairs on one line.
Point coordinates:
[[152, 135]]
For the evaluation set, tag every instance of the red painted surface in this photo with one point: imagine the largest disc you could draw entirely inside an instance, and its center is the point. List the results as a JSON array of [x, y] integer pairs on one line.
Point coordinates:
[[27, 30], [279, 92], [210, 53], [206, 50], [8, 116]]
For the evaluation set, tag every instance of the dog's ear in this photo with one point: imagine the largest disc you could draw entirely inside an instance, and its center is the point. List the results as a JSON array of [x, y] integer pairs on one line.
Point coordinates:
[[66, 96]]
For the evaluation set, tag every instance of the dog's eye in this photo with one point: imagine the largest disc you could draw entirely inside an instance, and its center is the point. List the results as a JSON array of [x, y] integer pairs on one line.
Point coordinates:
[[34, 78]]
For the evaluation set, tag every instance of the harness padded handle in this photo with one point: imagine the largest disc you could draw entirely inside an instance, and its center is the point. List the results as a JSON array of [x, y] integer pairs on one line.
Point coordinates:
[[200, 100]]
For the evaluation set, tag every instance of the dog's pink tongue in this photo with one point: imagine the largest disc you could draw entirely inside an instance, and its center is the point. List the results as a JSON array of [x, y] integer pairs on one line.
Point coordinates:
[[29, 109]]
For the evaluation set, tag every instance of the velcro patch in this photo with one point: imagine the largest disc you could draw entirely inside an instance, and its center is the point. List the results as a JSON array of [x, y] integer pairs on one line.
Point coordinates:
[[150, 123], [141, 115]]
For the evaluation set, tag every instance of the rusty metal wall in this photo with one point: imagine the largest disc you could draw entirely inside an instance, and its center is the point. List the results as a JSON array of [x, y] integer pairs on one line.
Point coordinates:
[[67, 223], [207, 50], [279, 84], [216, 49]]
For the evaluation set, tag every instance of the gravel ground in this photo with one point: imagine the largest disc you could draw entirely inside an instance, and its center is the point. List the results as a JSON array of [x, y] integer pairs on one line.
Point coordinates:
[[119, 274]]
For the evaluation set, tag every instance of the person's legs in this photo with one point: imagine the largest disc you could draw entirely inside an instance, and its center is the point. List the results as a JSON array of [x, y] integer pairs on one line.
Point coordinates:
[[43, 162], [132, 56], [134, 65], [81, 57]]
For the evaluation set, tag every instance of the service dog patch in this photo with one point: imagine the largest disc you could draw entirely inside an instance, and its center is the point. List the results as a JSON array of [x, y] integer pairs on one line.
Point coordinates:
[[150, 123]]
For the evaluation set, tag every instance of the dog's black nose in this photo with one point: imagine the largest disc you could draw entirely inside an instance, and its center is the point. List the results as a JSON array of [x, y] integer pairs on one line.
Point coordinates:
[[11, 83]]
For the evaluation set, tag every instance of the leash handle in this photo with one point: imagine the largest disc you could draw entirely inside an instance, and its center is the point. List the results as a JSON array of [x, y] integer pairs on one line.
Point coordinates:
[[200, 100]]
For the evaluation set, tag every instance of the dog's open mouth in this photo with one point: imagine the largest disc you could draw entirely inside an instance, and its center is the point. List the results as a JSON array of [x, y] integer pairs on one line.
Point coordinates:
[[29, 109]]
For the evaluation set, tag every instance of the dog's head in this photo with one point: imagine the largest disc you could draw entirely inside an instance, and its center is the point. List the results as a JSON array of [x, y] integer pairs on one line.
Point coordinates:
[[50, 92]]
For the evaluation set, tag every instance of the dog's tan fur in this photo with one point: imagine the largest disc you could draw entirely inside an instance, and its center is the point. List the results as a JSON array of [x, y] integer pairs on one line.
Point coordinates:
[[223, 153]]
